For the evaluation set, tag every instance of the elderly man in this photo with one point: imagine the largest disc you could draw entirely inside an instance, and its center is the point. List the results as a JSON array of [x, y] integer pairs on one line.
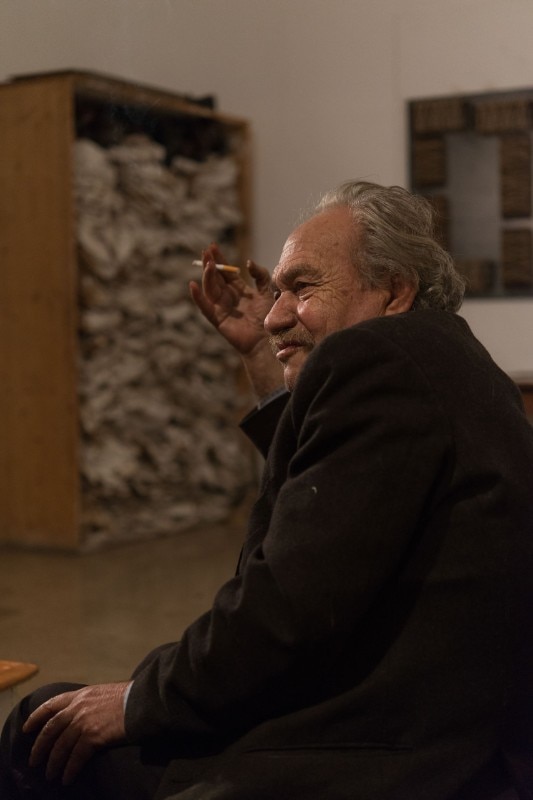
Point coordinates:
[[376, 641]]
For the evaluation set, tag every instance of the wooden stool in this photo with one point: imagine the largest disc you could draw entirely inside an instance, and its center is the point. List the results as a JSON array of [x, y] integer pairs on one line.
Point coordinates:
[[11, 674]]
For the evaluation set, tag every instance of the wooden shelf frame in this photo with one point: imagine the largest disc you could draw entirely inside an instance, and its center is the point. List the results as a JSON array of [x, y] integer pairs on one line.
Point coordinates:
[[39, 424]]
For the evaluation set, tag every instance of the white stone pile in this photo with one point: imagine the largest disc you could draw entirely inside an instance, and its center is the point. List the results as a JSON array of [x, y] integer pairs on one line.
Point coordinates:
[[158, 387]]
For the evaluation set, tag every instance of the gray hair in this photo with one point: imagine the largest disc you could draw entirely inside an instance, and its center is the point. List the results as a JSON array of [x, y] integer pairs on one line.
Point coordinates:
[[398, 240]]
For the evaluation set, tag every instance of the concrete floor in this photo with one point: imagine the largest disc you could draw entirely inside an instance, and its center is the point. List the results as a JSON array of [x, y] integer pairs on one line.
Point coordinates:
[[91, 618]]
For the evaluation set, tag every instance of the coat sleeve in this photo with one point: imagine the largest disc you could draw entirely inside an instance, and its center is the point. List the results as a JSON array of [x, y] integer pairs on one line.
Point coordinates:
[[261, 423], [372, 449]]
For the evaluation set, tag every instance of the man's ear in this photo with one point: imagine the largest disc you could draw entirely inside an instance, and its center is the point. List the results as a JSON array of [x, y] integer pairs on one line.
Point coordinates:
[[401, 298]]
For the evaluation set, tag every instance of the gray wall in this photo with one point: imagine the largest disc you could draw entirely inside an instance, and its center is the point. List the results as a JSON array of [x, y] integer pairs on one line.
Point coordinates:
[[323, 83]]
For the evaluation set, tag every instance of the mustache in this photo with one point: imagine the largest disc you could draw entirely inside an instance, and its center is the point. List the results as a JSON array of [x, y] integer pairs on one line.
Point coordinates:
[[280, 340]]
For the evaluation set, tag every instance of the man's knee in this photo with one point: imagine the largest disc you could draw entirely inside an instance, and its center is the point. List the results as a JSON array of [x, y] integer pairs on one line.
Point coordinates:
[[15, 745], [44, 693], [124, 771], [28, 704]]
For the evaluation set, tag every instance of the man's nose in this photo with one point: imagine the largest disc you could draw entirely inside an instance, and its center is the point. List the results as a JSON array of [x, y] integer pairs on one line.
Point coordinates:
[[282, 315]]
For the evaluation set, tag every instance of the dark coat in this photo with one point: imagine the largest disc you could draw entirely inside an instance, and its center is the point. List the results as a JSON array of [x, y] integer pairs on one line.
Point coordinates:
[[377, 641]]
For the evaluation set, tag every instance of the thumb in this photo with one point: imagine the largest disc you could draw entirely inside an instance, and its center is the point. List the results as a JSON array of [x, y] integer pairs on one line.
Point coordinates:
[[261, 275]]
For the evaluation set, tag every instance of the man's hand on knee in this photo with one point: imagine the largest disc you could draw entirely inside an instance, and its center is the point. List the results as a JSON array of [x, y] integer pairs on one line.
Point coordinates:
[[73, 725]]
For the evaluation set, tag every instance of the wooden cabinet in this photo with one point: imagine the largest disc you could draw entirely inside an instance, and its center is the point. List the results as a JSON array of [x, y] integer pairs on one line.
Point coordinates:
[[39, 422]]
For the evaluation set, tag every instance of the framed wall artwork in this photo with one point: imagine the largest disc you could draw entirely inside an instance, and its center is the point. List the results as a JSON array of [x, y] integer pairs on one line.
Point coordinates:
[[470, 155]]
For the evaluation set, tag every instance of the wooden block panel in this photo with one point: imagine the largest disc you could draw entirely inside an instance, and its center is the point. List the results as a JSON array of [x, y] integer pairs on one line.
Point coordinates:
[[474, 151], [515, 175], [440, 205], [429, 162], [478, 273], [437, 116], [516, 258], [502, 116]]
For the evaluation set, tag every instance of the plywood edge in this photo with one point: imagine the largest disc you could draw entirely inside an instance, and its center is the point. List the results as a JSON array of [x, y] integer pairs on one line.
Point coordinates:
[[119, 90], [39, 491]]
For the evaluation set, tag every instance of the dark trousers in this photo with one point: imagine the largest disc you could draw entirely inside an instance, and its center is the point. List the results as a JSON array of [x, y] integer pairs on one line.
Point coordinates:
[[126, 772], [131, 772]]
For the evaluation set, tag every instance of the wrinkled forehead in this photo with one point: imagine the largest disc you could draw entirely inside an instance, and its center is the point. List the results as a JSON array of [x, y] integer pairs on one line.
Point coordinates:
[[319, 242]]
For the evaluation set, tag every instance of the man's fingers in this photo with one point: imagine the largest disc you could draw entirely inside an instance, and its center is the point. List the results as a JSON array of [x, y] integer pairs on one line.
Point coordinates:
[[68, 755], [213, 281], [203, 303], [197, 296], [80, 755], [46, 711], [221, 292], [46, 739], [260, 275], [213, 253], [38, 718], [61, 751]]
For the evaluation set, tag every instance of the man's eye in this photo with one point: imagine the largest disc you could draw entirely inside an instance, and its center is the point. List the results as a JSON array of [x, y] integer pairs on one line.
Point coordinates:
[[300, 286], [276, 294]]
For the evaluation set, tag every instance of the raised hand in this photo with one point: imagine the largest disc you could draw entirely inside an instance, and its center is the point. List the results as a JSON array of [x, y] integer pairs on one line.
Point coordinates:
[[237, 309]]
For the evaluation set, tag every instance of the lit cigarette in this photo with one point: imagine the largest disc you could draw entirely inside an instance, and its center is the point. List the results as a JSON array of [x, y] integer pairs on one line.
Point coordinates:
[[221, 267]]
